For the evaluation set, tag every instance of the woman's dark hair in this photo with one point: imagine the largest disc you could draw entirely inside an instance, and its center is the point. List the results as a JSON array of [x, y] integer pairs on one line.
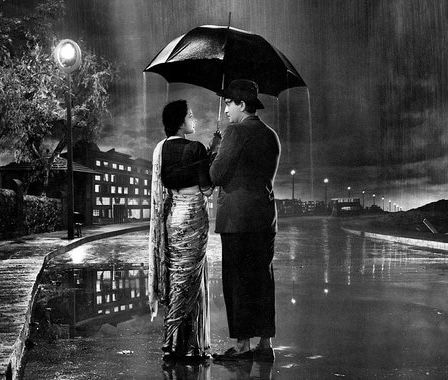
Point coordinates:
[[173, 116]]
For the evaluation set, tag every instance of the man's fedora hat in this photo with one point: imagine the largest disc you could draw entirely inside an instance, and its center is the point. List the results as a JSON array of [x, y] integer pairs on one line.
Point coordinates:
[[242, 89]]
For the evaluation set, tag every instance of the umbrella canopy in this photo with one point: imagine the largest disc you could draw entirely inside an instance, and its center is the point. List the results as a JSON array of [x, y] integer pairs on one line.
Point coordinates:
[[212, 56]]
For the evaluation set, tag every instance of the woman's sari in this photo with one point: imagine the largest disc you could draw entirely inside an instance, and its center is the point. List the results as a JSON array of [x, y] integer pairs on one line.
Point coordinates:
[[187, 325], [178, 275]]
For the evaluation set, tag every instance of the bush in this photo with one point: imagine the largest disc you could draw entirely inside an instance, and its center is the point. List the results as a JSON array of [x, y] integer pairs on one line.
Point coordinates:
[[7, 212], [42, 214]]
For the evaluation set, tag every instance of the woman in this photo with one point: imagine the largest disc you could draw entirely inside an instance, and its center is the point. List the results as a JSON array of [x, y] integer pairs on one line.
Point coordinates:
[[178, 236]]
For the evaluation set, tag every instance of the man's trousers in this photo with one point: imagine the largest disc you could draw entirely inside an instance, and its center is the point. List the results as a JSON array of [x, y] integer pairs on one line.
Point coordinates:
[[248, 283]]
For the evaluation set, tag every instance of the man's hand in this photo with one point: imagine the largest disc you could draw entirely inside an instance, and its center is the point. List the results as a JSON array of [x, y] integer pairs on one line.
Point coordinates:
[[215, 142]]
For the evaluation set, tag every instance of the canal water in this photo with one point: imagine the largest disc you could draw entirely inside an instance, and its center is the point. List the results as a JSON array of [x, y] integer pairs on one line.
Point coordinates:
[[346, 307]]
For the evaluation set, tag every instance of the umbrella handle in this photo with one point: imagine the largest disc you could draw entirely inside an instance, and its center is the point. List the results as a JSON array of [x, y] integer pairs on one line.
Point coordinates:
[[219, 114]]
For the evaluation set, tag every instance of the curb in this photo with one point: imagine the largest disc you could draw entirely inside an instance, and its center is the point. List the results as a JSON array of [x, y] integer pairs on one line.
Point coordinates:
[[14, 367], [399, 239]]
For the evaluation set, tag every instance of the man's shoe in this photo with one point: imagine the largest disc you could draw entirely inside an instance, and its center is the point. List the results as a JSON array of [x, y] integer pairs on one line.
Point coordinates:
[[264, 354], [169, 357], [233, 355]]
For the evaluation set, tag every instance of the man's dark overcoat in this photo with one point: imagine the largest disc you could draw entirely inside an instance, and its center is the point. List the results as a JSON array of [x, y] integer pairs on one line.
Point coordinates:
[[245, 167]]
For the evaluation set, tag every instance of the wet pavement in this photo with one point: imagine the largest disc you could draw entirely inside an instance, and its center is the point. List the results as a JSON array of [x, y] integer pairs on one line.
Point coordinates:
[[21, 261], [347, 307]]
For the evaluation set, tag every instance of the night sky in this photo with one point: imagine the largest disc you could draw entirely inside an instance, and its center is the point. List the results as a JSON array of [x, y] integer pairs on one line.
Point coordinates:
[[376, 73]]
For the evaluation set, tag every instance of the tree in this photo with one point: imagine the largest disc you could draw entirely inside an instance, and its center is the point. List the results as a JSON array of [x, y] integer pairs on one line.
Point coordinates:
[[32, 90]]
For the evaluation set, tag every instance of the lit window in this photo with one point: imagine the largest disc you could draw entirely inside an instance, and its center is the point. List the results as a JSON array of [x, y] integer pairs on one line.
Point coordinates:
[[98, 163], [131, 180], [114, 166], [112, 189], [106, 177], [97, 188], [122, 307], [97, 178], [121, 167], [136, 191], [136, 181], [106, 201], [146, 171], [98, 201], [146, 182], [145, 191], [120, 190], [129, 168], [105, 163], [112, 178], [125, 190], [99, 300], [96, 212]]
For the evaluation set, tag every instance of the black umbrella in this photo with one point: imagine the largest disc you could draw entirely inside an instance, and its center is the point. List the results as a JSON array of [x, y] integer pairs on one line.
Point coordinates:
[[212, 56]]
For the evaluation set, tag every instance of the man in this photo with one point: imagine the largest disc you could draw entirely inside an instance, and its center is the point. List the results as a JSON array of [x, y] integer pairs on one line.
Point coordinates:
[[245, 167]]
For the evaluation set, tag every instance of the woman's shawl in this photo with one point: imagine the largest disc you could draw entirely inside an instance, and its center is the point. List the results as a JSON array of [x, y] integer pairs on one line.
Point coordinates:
[[157, 273]]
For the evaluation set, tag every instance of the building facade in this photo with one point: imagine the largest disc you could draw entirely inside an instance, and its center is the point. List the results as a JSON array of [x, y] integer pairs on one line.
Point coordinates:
[[121, 190]]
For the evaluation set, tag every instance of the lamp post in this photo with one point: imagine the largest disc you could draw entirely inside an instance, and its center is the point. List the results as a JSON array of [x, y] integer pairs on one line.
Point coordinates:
[[390, 202], [348, 190], [363, 194], [373, 196], [68, 57], [293, 173], [382, 198], [326, 190]]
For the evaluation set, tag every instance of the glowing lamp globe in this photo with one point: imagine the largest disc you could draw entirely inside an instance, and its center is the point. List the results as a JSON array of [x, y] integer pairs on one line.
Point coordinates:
[[68, 55]]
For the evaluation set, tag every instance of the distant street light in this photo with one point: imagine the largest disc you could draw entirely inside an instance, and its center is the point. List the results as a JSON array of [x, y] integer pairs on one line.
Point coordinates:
[[348, 190], [382, 198], [68, 57], [293, 173], [363, 194], [373, 196], [390, 202], [326, 185]]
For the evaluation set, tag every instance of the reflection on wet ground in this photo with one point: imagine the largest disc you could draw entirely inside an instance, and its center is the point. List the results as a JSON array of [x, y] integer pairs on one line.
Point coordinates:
[[346, 307]]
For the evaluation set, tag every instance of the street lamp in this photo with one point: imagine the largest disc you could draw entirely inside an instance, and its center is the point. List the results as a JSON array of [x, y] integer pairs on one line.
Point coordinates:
[[363, 194], [348, 190], [390, 202], [373, 196], [382, 198], [326, 185], [293, 172], [68, 57]]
